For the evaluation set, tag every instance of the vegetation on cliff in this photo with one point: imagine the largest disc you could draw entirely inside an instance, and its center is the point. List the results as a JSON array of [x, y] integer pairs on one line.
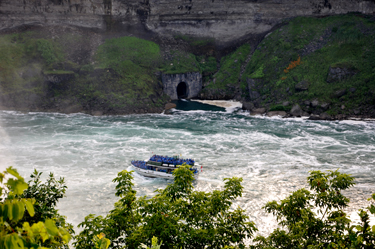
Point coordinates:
[[40, 72], [325, 65], [333, 55]]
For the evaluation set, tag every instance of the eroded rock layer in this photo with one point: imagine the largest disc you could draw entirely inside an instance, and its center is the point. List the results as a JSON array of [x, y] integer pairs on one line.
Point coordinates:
[[225, 20]]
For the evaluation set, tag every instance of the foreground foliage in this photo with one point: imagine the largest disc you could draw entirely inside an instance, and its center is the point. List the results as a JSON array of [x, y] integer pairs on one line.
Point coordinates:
[[179, 216], [18, 228], [316, 218]]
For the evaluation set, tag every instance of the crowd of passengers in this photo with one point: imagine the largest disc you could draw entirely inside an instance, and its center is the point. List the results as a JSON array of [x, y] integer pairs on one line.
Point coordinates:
[[171, 160], [142, 165]]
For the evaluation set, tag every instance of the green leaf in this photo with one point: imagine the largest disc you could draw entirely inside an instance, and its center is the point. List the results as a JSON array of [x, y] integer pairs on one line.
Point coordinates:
[[8, 242], [13, 172], [5, 212], [17, 242], [17, 186], [10, 210], [29, 207], [15, 211], [21, 209], [51, 227], [65, 235], [21, 186], [40, 228]]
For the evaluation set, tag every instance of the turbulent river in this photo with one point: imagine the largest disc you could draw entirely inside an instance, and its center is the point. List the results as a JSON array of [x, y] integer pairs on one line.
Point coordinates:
[[272, 155]]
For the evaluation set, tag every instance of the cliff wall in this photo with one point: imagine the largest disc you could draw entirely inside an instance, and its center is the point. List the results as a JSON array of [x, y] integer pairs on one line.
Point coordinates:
[[224, 20]]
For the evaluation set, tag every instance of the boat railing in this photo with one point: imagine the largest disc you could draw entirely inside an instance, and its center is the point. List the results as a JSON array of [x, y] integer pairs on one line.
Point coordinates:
[[158, 168], [171, 160]]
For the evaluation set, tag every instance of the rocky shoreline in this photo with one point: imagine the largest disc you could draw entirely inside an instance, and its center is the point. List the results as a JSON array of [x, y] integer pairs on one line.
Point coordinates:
[[323, 116], [296, 112]]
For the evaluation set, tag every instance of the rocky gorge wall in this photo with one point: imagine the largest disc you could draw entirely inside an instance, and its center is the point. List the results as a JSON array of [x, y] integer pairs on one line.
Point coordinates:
[[224, 20]]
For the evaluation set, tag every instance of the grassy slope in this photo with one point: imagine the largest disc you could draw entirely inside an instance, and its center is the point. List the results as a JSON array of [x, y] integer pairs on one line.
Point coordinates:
[[122, 77], [133, 62], [224, 83], [230, 68], [22, 58], [320, 43]]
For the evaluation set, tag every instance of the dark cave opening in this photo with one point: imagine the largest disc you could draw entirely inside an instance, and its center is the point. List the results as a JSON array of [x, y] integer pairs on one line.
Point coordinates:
[[182, 90]]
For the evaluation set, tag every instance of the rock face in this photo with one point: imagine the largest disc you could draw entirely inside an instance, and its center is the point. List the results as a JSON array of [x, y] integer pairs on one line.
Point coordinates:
[[296, 111], [224, 20], [302, 86], [58, 78], [186, 85], [339, 73]]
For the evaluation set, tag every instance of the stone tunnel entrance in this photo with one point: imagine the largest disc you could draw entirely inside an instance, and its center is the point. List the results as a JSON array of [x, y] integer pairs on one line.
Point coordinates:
[[183, 85], [182, 90]]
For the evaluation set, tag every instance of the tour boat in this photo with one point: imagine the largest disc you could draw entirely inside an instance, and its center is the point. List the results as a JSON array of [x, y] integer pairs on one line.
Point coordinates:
[[163, 166]]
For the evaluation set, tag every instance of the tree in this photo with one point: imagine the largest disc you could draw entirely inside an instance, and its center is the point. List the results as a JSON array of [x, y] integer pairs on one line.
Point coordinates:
[[16, 234], [315, 218], [179, 216]]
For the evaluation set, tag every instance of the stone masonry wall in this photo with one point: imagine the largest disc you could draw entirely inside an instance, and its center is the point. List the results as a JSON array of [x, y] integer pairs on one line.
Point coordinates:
[[193, 81]]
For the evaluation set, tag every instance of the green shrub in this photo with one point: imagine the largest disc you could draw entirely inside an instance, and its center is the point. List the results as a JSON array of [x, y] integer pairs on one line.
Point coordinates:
[[181, 62], [258, 73], [230, 68], [28, 218], [179, 216], [316, 218], [207, 65], [278, 108], [48, 51], [87, 68], [141, 52]]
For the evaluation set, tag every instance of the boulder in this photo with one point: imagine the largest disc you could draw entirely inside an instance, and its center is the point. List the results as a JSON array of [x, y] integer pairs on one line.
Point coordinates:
[[336, 74], [314, 117], [314, 103], [325, 116], [296, 111], [97, 113], [247, 106], [324, 106], [258, 111], [276, 113], [307, 102], [340, 93], [169, 106], [302, 86], [340, 116]]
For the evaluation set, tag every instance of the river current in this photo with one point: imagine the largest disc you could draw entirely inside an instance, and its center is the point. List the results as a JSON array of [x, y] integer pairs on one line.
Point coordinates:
[[272, 155]]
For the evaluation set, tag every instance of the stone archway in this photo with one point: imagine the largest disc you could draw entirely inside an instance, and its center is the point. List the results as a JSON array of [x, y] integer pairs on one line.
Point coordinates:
[[182, 90], [184, 85]]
